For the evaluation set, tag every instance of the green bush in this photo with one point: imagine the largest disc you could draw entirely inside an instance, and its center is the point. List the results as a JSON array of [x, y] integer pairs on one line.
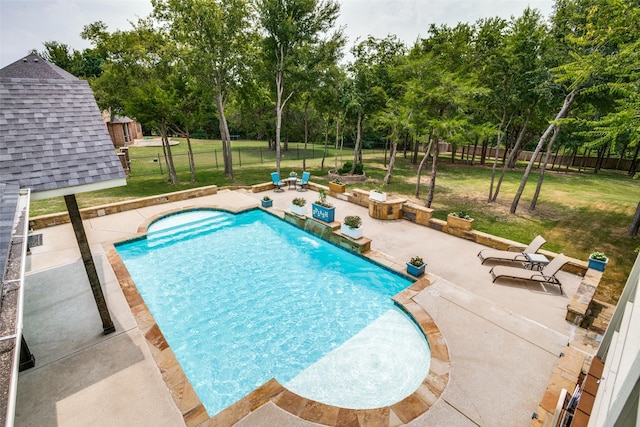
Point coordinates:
[[346, 168]]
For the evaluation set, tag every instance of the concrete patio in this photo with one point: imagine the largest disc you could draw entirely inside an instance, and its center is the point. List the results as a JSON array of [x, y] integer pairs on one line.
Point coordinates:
[[504, 339]]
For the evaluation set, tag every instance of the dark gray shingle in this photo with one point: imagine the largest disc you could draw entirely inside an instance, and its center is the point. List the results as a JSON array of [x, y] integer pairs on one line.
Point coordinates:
[[51, 131]]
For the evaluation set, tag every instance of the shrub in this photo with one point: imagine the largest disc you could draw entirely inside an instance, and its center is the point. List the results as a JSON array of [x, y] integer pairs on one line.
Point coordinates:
[[299, 201], [416, 261], [322, 199], [352, 221], [599, 256], [266, 198], [461, 214], [346, 168]]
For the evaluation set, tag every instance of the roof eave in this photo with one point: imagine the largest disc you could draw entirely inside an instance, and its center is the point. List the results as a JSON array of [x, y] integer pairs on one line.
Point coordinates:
[[102, 185]]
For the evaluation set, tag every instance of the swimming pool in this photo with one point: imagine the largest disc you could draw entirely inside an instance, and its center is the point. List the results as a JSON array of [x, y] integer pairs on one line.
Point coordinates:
[[258, 298]]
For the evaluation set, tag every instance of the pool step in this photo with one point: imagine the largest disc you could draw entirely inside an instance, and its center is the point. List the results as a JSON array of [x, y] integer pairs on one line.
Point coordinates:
[[189, 229]]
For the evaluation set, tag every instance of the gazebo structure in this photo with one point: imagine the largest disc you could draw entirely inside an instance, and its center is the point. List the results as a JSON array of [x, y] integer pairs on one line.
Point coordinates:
[[53, 142]]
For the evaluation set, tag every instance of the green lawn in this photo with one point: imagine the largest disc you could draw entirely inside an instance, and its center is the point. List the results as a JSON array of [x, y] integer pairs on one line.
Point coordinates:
[[577, 213]]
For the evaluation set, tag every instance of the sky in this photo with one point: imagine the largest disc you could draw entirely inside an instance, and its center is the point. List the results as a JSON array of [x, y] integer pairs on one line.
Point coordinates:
[[27, 24]]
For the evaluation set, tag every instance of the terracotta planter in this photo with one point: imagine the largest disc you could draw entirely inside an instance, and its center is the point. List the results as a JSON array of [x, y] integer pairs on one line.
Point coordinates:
[[337, 188], [460, 223]]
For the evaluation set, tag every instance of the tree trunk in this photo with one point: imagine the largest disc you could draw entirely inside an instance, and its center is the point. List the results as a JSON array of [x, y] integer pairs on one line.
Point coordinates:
[[192, 164], [512, 155], [392, 160], [475, 148], [279, 89], [224, 136], [635, 223], [306, 134], [495, 159], [335, 162], [556, 131], [422, 162], [172, 176], [434, 170], [386, 144], [562, 113], [356, 149], [483, 152], [573, 159], [326, 143], [634, 163]]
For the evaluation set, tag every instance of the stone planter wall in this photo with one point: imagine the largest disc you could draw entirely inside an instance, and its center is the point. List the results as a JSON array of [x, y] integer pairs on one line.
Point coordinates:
[[416, 213], [347, 178], [337, 188], [391, 209], [461, 223], [329, 232]]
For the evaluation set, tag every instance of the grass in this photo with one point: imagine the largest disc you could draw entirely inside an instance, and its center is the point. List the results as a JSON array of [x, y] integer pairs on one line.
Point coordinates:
[[577, 213]]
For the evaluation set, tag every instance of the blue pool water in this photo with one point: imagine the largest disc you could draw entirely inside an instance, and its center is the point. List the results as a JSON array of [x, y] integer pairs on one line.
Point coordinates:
[[245, 298]]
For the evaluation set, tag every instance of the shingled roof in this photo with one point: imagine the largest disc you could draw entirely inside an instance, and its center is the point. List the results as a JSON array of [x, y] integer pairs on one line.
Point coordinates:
[[52, 141], [52, 137]]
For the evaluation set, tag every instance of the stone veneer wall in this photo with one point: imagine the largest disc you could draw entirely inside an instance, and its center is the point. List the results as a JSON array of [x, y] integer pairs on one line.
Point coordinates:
[[44, 221], [329, 232]]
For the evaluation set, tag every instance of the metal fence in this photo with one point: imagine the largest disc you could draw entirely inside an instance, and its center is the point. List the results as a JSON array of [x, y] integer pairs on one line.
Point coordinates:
[[213, 159]]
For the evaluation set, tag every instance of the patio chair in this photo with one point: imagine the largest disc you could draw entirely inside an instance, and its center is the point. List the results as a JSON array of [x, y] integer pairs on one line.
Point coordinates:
[[547, 275], [512, 253], [275, 180], [303, 182]]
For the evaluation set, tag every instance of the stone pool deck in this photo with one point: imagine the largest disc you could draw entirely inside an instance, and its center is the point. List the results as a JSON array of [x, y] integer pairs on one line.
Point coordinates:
[[503, 340]]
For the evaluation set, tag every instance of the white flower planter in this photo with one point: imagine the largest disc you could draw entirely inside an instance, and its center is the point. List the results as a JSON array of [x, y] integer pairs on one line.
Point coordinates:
[[354, 233], [377, 196], [299, 210]]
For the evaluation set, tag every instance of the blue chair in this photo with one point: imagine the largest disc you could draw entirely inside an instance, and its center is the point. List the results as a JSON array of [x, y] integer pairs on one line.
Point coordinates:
[[275, 180], [304, 181]]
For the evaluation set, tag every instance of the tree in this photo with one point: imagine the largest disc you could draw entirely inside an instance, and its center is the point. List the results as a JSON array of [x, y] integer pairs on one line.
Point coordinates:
[[216, 37], [525, 45], [85, 64], [440, 90], [137, 78], [371, 81], [595, 33], [292, 28]]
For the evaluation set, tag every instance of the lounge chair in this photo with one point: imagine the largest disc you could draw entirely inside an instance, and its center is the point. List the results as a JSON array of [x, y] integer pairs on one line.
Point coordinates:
[[512, 253], [275, 180], [304, 181], [547, 275]]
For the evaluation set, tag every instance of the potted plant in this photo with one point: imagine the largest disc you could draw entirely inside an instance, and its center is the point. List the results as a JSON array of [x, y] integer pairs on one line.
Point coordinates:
[[352, 227], [416, 266], [266, 202], [323, 210], [598, 261], [377, 195], [299, 206], [461, 220], [337, 186], [293, 174]]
